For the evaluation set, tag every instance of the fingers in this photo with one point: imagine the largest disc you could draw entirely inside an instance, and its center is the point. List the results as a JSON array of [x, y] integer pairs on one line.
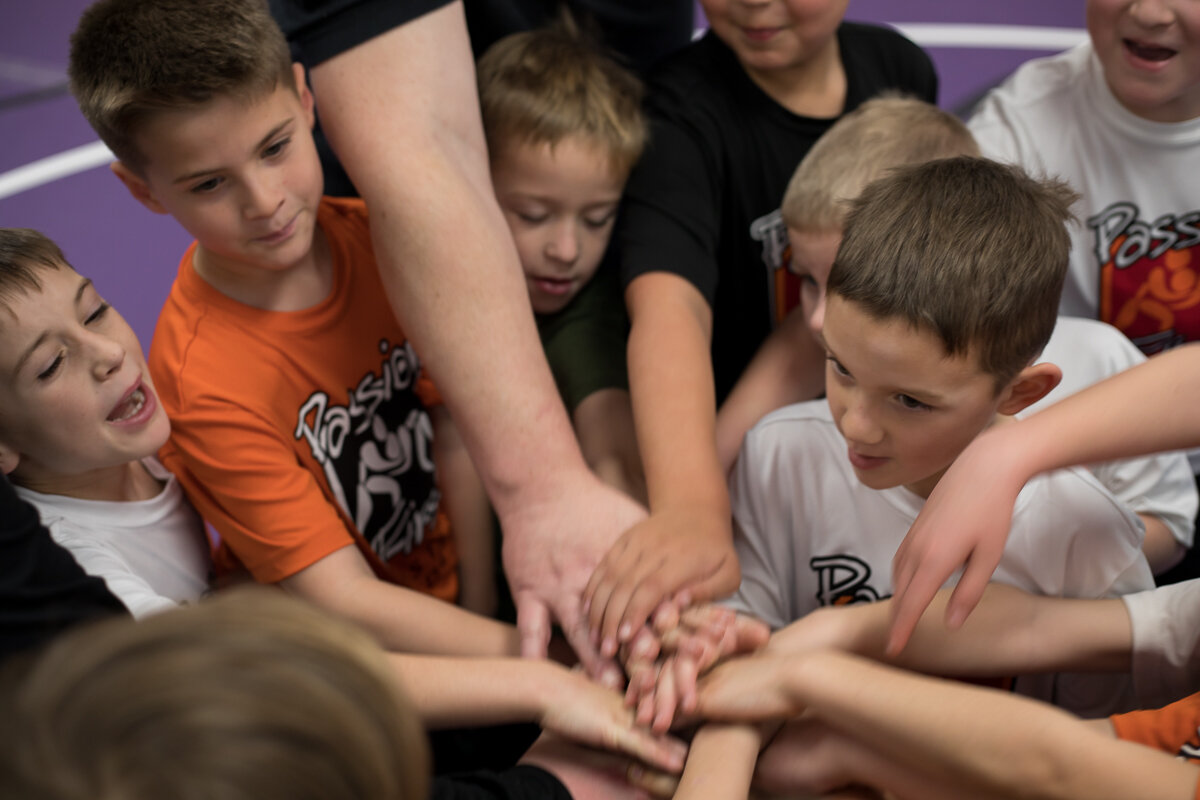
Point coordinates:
[[533, 625], [655, 783], [970, 588], [665, 699], [603, 670]]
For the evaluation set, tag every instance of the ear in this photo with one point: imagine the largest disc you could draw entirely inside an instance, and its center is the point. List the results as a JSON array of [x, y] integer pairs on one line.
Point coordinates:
[[137, 187], [9, 459], [1031, 384], [304, 93]]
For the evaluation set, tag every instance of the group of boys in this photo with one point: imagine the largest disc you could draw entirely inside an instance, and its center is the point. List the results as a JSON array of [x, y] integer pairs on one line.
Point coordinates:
[[304, 429]]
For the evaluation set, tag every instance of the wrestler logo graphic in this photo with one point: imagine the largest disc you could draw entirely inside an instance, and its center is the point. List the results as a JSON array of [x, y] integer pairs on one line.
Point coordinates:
[[842, 580], [1149, 275], [377, 453], [783, 288]]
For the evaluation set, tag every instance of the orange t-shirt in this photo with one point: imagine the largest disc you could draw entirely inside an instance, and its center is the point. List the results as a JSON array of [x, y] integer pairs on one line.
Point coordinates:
[[298, 433], [1174, 728]]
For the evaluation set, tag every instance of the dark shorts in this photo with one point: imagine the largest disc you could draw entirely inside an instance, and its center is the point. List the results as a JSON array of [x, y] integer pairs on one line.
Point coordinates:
[[522, 782]]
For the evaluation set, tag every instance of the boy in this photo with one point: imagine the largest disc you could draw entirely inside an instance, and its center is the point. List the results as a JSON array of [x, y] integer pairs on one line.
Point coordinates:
[[700, 252], [300, 427], [564, 126], [933, 325], [882, 134], [80, 426]]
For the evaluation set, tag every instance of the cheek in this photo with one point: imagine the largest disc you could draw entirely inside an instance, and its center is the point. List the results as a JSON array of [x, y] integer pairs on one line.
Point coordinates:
[[529, 245]]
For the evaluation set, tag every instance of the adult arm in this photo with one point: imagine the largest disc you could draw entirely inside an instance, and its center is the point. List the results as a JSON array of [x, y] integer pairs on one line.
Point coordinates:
[[943, 739], [966, 519], [401, 112]]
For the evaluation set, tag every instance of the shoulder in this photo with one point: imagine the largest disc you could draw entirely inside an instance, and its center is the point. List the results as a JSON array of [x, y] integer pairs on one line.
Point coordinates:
[[1073, 500], [1037, 85], [794, 431], [1087, 351]]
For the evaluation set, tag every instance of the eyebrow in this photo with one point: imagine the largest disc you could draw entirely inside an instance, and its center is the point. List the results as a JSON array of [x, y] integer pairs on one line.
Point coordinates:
[[200, 173], [925, 396], [83, 286]]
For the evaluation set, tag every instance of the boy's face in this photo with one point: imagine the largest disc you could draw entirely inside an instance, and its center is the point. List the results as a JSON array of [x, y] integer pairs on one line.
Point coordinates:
[[1150, 52], [770, 35], [75, 393], [241, 176], [905, 409], [812, 259], [560, 203]]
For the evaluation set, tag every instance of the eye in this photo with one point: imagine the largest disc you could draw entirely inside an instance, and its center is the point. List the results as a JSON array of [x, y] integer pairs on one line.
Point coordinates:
[[912, 403], [598, 222], [837, 367], [277, 148], [532, 218], [98, 314], [49, 371], [207, 186]]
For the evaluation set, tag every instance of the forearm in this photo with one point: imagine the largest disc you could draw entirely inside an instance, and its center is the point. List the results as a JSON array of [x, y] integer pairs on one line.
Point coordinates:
[[1162, 550], [720, 763], [788, 368], [1011, 632], [455, 692], [420, 162], [603, 423], [977, 742], [671, 384]]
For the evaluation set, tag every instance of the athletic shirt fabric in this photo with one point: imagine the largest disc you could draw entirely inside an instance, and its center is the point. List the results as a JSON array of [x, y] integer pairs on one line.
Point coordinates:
[[298, 433], [703, 202]]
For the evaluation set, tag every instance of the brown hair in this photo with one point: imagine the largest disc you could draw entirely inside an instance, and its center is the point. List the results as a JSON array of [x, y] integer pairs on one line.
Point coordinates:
[[970, 249], [132, 59], [545, 85], [251, 696], [23, 252], [883, 133]]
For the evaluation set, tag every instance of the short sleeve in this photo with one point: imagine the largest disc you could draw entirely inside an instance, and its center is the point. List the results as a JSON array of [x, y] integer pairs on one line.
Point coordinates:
[[321, 29]]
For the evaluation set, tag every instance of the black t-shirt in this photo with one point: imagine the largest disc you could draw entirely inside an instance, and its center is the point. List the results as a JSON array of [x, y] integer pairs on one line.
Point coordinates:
[[703, 202], [522, 782], [43, 591]]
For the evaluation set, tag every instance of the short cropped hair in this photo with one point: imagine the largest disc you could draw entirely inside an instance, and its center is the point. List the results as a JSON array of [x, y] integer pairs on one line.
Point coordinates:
[[970, 249], [883, 133], [23, 253], [133, 59], [546, 85], [251, 696]]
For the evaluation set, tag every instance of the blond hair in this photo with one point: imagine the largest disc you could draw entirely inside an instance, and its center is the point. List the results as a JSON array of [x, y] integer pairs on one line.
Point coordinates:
[[133, 59], [546, 85], [883, 133], [252, 696], [970, 249]]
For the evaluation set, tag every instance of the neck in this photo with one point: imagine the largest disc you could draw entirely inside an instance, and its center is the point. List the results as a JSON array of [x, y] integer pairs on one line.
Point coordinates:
[[814, 88], [123, 483], [295, 288]]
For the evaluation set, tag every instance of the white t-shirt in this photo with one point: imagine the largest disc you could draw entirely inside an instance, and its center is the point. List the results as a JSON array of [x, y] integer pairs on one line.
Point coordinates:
[[1166, 642], [1088, 351], [809, 534], [1056, 116], [153, 554]]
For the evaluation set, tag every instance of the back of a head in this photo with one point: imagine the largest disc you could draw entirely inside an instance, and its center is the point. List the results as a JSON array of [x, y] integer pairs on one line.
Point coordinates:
[[883, 133], [131, 59], [970, 249], [251, 696], [545, 85]]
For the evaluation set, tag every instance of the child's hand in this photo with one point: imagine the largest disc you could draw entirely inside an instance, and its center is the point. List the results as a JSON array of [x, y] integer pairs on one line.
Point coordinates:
[[747, 689], [588, 713], [653, 560]]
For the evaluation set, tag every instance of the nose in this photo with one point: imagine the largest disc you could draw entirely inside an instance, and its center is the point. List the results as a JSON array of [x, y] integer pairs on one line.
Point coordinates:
[[262, 195], [563, 245], [107, 355], [1152, 13], [858, 422]]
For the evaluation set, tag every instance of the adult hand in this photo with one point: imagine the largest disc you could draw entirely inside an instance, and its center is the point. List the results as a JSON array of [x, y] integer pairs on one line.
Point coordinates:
[[585, 712], [749, 689], [550, 551], [671, 551], [964, 523]]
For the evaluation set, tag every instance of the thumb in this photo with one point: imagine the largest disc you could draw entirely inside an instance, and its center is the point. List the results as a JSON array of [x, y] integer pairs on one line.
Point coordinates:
[[533, 625]]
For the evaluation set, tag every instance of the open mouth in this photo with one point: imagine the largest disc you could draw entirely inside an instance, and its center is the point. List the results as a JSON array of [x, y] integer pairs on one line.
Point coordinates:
[[1148, 52], [130, 406]]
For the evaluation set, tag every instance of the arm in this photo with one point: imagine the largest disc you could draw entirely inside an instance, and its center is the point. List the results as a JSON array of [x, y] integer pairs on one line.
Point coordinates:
[[1162, 549], [788, 368], [400, 618], [960, 524], [720, 763], [943, 739], [687, 541], [453, 692], [401, 112], [470, 515], [604, 425]]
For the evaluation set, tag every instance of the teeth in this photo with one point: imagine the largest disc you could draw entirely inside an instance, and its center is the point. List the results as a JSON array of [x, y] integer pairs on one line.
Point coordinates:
[[130, 407]]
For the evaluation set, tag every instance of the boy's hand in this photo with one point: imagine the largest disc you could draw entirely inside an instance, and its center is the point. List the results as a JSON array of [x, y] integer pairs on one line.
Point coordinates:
[[652, 561], [960, 525], [550, 552], [746, 690], [585, 712]]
